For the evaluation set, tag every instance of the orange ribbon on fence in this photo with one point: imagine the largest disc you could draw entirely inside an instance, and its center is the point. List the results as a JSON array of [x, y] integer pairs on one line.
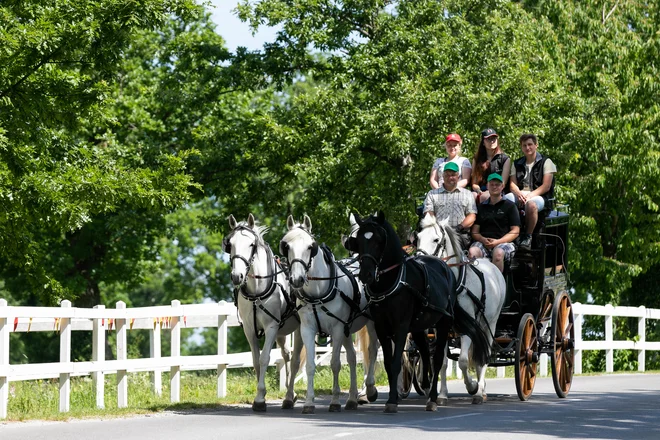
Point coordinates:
[[15, 323], [110, 322], [131, 323], [56, 326], [185, 321]]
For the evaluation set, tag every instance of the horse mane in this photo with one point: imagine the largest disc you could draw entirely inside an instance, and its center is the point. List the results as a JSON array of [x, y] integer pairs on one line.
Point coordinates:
[[259, 231], [297, 231], [453, 238], [429, 220]]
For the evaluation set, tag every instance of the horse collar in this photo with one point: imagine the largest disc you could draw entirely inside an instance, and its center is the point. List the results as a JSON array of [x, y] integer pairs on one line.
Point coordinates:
[[378, 297]]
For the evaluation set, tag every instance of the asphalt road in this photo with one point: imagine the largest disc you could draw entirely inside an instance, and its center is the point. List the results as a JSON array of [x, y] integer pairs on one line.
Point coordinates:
[[598, 407]]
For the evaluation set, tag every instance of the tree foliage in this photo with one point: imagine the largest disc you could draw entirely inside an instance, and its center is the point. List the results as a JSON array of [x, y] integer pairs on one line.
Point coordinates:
[[75, 204]]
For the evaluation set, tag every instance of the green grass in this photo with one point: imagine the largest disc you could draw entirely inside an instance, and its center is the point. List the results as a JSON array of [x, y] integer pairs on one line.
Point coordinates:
[[39, 399]]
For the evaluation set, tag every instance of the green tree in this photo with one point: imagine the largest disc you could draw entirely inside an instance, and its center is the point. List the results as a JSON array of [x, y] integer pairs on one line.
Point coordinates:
[[74, 204]]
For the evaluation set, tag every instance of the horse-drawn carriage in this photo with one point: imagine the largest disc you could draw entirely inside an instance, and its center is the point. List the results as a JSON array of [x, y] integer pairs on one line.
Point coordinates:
[[536, 316]]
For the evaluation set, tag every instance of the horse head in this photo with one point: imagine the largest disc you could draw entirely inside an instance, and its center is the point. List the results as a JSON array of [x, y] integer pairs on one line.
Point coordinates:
[[436, 238], [372, 243], [300, 248], [242, 245]]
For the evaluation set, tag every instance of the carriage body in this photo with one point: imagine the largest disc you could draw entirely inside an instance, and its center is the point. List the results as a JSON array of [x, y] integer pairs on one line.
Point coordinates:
[[537, 314]]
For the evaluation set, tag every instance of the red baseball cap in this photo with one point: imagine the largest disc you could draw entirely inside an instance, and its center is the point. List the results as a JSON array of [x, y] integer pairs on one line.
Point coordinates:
[[453, 137]]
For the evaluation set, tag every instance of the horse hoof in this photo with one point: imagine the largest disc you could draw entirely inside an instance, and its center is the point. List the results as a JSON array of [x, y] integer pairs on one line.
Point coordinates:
[[391, 408], [442, 401], [351, 405], [473, 390], [334, 407], [259, 406], [287, 404], [431, 406], [485, 396], [372, 397], [362, 399], [477, 400], [308, 409]]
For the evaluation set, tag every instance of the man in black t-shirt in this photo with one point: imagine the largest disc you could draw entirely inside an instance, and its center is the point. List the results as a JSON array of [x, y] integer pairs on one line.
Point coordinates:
[[496, 226]]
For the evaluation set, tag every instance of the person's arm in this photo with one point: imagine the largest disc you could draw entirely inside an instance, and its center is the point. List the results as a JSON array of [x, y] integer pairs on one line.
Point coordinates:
[[476, 235], [509, 237], [547, 183], [506, 171], [475, 186], [513, 186], [465, 176], [433, 179], [468, 221]]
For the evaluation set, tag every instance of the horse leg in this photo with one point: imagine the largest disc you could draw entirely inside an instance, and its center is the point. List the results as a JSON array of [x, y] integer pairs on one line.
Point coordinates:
[[395, 368], [351, 358], [290, 398], [270, 334], [471, 385], [370, 368], [480, 397], [422, 342], [309, 337], [439, 358], [442, 399]]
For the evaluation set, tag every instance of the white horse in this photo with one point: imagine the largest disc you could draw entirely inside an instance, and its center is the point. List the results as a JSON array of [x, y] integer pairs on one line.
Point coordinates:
[[264, 304], [482, 300], [332, 304]]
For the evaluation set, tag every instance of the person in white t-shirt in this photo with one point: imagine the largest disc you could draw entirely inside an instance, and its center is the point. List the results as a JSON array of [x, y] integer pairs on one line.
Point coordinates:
[[453, 144], [532, 184]]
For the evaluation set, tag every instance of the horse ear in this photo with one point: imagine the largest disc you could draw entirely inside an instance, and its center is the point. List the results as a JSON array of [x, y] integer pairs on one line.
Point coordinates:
[[290, 222], [351, 244], [351, 219], [380, 217], [307, 223], [250, 221], [357, 218], [445, 222], [232, 221]]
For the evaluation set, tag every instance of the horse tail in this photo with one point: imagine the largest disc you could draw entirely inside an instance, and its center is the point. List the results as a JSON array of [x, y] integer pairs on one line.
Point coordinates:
[[362, 338], [467, 325], [303, 358]]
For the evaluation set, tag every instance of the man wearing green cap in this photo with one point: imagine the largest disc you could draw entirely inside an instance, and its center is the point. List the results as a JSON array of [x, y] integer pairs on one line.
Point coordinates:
[[496, 226], [452, 202]]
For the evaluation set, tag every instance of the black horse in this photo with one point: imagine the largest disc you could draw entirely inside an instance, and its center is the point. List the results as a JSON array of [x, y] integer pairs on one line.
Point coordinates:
[[409, 294]]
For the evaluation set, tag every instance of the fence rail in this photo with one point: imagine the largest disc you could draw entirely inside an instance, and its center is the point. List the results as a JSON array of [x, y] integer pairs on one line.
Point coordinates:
[[173, 318]]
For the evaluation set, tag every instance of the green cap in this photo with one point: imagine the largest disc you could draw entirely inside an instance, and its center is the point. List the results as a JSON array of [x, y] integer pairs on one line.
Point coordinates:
[[496, 177], [451, 166]]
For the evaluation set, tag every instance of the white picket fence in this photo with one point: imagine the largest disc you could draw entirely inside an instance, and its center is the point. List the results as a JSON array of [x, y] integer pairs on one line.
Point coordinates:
[[173, 318]]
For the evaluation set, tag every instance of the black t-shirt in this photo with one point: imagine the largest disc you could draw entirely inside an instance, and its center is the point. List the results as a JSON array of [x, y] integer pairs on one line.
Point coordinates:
[[495, 221]]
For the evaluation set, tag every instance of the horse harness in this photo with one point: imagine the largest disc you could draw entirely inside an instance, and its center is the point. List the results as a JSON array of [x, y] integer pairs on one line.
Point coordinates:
[[258, 299], [331, 293]]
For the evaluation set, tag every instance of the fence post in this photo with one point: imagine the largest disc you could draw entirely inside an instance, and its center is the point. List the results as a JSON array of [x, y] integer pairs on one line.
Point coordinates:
[[65, 357], [155, 352], [175, 370], [4, 361], [122, 355], [543, 362], [577, 323], [641, 331], [609, 338], [222, 350], [98, 356]]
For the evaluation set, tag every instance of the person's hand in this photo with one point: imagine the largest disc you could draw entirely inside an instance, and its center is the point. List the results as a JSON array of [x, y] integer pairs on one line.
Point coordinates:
[[489, 243], [459, 228]]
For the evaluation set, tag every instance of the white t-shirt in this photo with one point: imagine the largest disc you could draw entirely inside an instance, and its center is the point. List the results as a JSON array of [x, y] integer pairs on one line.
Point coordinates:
[[439, 164]]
